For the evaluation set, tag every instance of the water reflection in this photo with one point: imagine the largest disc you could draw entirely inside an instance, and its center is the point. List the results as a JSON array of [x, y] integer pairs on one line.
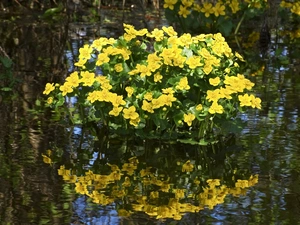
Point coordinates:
[[140, 179], [150, 178]]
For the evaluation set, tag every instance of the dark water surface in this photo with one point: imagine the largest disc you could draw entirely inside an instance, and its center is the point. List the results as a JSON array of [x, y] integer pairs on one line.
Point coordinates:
[[33, 191]]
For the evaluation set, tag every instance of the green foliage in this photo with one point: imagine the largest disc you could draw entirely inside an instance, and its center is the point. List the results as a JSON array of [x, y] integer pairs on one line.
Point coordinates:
[[7, 79], [183, 89]]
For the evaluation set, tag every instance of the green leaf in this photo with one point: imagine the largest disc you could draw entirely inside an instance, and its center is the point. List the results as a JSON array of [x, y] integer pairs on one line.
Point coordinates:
[[6, 89], [225, 26], [7, 62]]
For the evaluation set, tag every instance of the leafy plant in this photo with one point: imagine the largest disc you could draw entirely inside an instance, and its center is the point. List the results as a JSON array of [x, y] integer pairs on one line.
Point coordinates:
[[156, 85], [6, 76], [208, 17]]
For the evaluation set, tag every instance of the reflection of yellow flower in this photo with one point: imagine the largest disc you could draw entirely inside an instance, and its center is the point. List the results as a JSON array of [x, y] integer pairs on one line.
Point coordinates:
[[127, 182], [46, 159], [253, 180], [123, 212], [81, 188], [154, 194], [187, 166], [129, 168], [213, 182]]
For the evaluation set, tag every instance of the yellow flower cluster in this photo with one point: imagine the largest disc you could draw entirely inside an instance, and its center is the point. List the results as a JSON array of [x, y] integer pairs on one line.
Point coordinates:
[[139, 86], [207, 8]]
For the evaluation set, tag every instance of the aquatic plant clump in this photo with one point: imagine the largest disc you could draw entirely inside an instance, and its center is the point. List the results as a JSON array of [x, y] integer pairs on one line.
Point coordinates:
[[156, 83]]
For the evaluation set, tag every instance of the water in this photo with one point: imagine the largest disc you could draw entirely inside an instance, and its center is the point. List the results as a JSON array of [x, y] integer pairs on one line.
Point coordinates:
[[135, 181]]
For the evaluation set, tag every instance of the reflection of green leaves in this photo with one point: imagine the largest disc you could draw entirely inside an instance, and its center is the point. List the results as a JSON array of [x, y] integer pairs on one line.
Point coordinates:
[[232, 126]]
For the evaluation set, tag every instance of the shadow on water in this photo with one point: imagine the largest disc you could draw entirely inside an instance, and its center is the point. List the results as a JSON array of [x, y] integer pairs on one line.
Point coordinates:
[[53, 173]]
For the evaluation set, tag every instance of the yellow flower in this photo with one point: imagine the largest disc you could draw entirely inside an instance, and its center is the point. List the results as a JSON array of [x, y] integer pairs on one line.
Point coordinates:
[[187, 166], [239, 56], [135, 122], [183, 84], [188, 118], [115, 111], [118, 67], [187, 3], [87, 78], [147, 106], [81, 63], [169, 30], [168, 91], [194, 61], [129, 91], [207, 9], [130, 113], [93, 96], [213, 95], [50, 100], [214, 81], [234, 5], [245, 100], [49, 87], [157, 77], [255, 102], [73, 79], [102, 58], [85, 52], [169, 4], [219, 9], [207, 68], [199, 107], [183, 11], [157, 34], [117, 100], [66, 88], [216, 108]]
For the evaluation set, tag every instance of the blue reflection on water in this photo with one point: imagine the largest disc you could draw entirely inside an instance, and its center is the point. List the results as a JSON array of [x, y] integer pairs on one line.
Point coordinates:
[[92, 214]]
